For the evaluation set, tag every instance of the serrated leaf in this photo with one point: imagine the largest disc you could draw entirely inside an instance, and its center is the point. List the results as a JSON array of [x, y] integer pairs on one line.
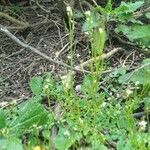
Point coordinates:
[[2, 119], [141, 75], [124, 12], [137, 33], [36, 85], [129, 7], [10, 144], [32, 113]]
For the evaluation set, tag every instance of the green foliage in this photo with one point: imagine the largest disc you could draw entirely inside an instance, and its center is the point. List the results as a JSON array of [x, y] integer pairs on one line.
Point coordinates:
[[32, 113], [147, 15], [10, 143], [137, 33], [65, 138], [36, 85], [96, 117], [141, 74]]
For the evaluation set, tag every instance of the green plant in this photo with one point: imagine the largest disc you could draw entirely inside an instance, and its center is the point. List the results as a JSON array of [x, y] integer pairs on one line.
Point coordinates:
[[97, 117]]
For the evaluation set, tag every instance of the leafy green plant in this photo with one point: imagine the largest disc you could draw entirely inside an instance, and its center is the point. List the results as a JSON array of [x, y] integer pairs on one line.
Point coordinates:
[[95, 117]]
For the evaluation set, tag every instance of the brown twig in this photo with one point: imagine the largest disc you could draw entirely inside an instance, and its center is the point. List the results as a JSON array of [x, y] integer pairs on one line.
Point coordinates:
[[16, 40], [14, 20], [102, 57]]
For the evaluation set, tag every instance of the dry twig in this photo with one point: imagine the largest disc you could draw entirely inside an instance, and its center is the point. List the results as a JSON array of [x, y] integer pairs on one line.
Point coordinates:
[[103, 56], [16, 40]]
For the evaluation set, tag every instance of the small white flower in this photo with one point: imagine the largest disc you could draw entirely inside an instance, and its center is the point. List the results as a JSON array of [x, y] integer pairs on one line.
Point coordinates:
[[46, 86], [104, 104], [69, 57], [57, 54], [67, 80], [47, 80], [88, 13], [78, 55], [101, 30], [128, 92], [142, 124], [87, 33], [137, 83], [78, 88], [66, 133], [109, 98], [80, 120], [69, 10], [118, 95], [94, 81]]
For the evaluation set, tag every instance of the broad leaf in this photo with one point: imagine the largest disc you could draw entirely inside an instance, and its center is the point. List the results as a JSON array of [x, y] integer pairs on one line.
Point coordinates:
[[10, 144], [36, 85], [32, 113]]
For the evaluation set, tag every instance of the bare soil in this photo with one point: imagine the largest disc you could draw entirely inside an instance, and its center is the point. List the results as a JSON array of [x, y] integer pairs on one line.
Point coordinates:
[[18, 65]]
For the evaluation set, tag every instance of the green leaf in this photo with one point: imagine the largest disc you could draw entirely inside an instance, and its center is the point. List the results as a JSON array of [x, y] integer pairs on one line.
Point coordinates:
[[141, 75], [2, 119], [10, 144], [124, 13], [147, 15], [36, 85], [66, 138], [129, 7], [32, 113], [136, 33], [118, 71]]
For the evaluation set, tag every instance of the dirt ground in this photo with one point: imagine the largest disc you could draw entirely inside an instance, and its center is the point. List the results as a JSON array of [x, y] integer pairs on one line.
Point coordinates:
[[18, 65]]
